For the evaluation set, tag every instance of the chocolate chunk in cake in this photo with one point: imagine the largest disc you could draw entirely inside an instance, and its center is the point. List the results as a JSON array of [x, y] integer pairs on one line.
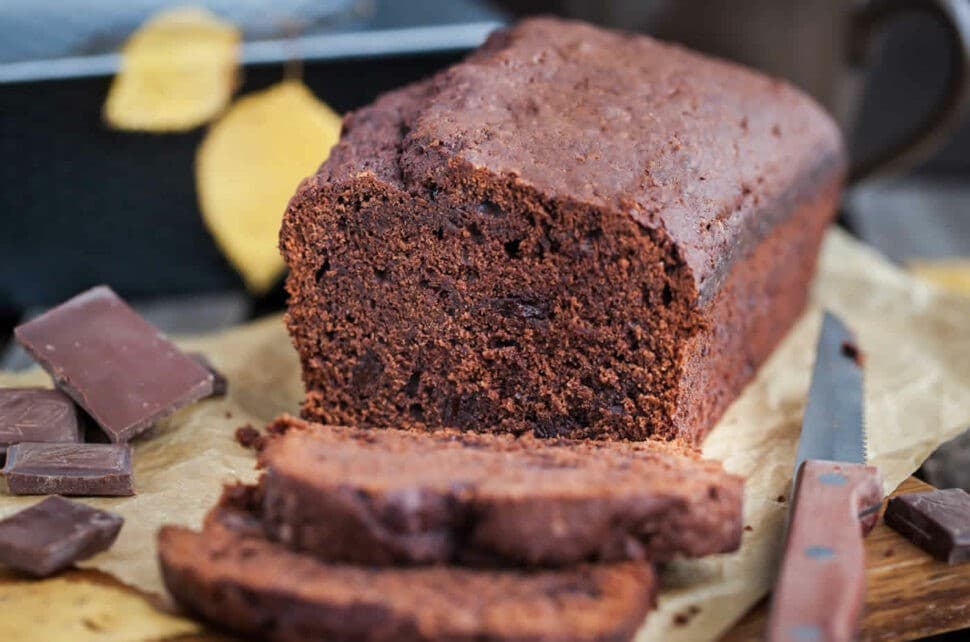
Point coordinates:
[[400, 497], [574, 232]]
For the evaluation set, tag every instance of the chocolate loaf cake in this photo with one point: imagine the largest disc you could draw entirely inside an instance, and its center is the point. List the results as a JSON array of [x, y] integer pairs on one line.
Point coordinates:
[[236, 579], [401, 497], [574, 232]]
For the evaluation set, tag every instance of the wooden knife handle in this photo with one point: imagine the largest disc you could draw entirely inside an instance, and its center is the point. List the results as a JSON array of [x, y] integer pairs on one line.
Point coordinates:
[[821, 585]]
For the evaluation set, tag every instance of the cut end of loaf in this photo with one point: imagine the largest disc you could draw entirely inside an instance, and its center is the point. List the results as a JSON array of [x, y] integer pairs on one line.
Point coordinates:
[[484, 309]]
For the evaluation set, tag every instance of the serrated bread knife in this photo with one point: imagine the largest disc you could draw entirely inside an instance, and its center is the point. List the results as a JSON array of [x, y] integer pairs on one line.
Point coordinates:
[[835, 502]]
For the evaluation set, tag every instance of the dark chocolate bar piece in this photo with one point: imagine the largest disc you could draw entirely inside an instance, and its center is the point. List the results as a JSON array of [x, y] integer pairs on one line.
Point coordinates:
[[220, 385], [938, 521], [69, 469], [37, 414], [113, 363], [53, 534]]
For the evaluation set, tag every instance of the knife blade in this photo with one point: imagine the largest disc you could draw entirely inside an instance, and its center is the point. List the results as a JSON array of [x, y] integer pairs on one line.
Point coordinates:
[[833, 427], [820, 588]]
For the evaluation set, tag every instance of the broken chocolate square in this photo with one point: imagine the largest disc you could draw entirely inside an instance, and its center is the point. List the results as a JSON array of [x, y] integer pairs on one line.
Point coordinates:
[[938, 521], [113, 363], [53, 534]]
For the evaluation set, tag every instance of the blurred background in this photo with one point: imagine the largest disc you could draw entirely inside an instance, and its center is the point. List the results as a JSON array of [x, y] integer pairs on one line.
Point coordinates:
[[83, 204]]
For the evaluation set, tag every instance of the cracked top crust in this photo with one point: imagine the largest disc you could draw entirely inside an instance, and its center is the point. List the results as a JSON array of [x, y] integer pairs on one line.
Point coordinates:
[[708, 151]]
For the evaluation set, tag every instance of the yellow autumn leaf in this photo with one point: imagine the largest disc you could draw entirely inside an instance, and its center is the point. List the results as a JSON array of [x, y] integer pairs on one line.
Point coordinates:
[[64, 610], [178, 71], [250, 164], [950, 274]]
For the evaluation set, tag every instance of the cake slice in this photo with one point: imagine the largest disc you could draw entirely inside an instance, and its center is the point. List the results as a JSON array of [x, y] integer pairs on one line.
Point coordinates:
[[573, 232], [400, 497], [258, 588]]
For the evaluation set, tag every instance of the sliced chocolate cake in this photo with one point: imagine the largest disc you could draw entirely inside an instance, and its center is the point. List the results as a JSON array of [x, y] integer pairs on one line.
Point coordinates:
[[258, 588], [402, 497]]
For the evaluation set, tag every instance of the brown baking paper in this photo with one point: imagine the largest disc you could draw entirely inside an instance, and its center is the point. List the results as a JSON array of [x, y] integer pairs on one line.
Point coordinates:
[[87, 611], [916, 342]]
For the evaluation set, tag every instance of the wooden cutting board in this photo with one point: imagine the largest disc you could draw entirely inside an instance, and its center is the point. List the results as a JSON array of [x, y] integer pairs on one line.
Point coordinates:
[[909, 594]]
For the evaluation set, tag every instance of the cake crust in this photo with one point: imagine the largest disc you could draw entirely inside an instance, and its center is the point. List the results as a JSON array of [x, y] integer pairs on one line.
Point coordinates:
[[564, 234], [256, 587], [400, 497]]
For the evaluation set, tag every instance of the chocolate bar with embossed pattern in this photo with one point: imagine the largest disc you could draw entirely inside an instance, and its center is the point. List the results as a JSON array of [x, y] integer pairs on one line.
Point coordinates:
[[69, 469], [37, 414]]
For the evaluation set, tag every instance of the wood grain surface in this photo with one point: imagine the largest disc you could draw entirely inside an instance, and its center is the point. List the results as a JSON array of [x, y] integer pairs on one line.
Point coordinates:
[[909, 595]]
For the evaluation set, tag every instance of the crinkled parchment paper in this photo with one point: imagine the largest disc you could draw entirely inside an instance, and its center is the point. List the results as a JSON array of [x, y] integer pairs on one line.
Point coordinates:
[[87, 611], [916, 342]]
